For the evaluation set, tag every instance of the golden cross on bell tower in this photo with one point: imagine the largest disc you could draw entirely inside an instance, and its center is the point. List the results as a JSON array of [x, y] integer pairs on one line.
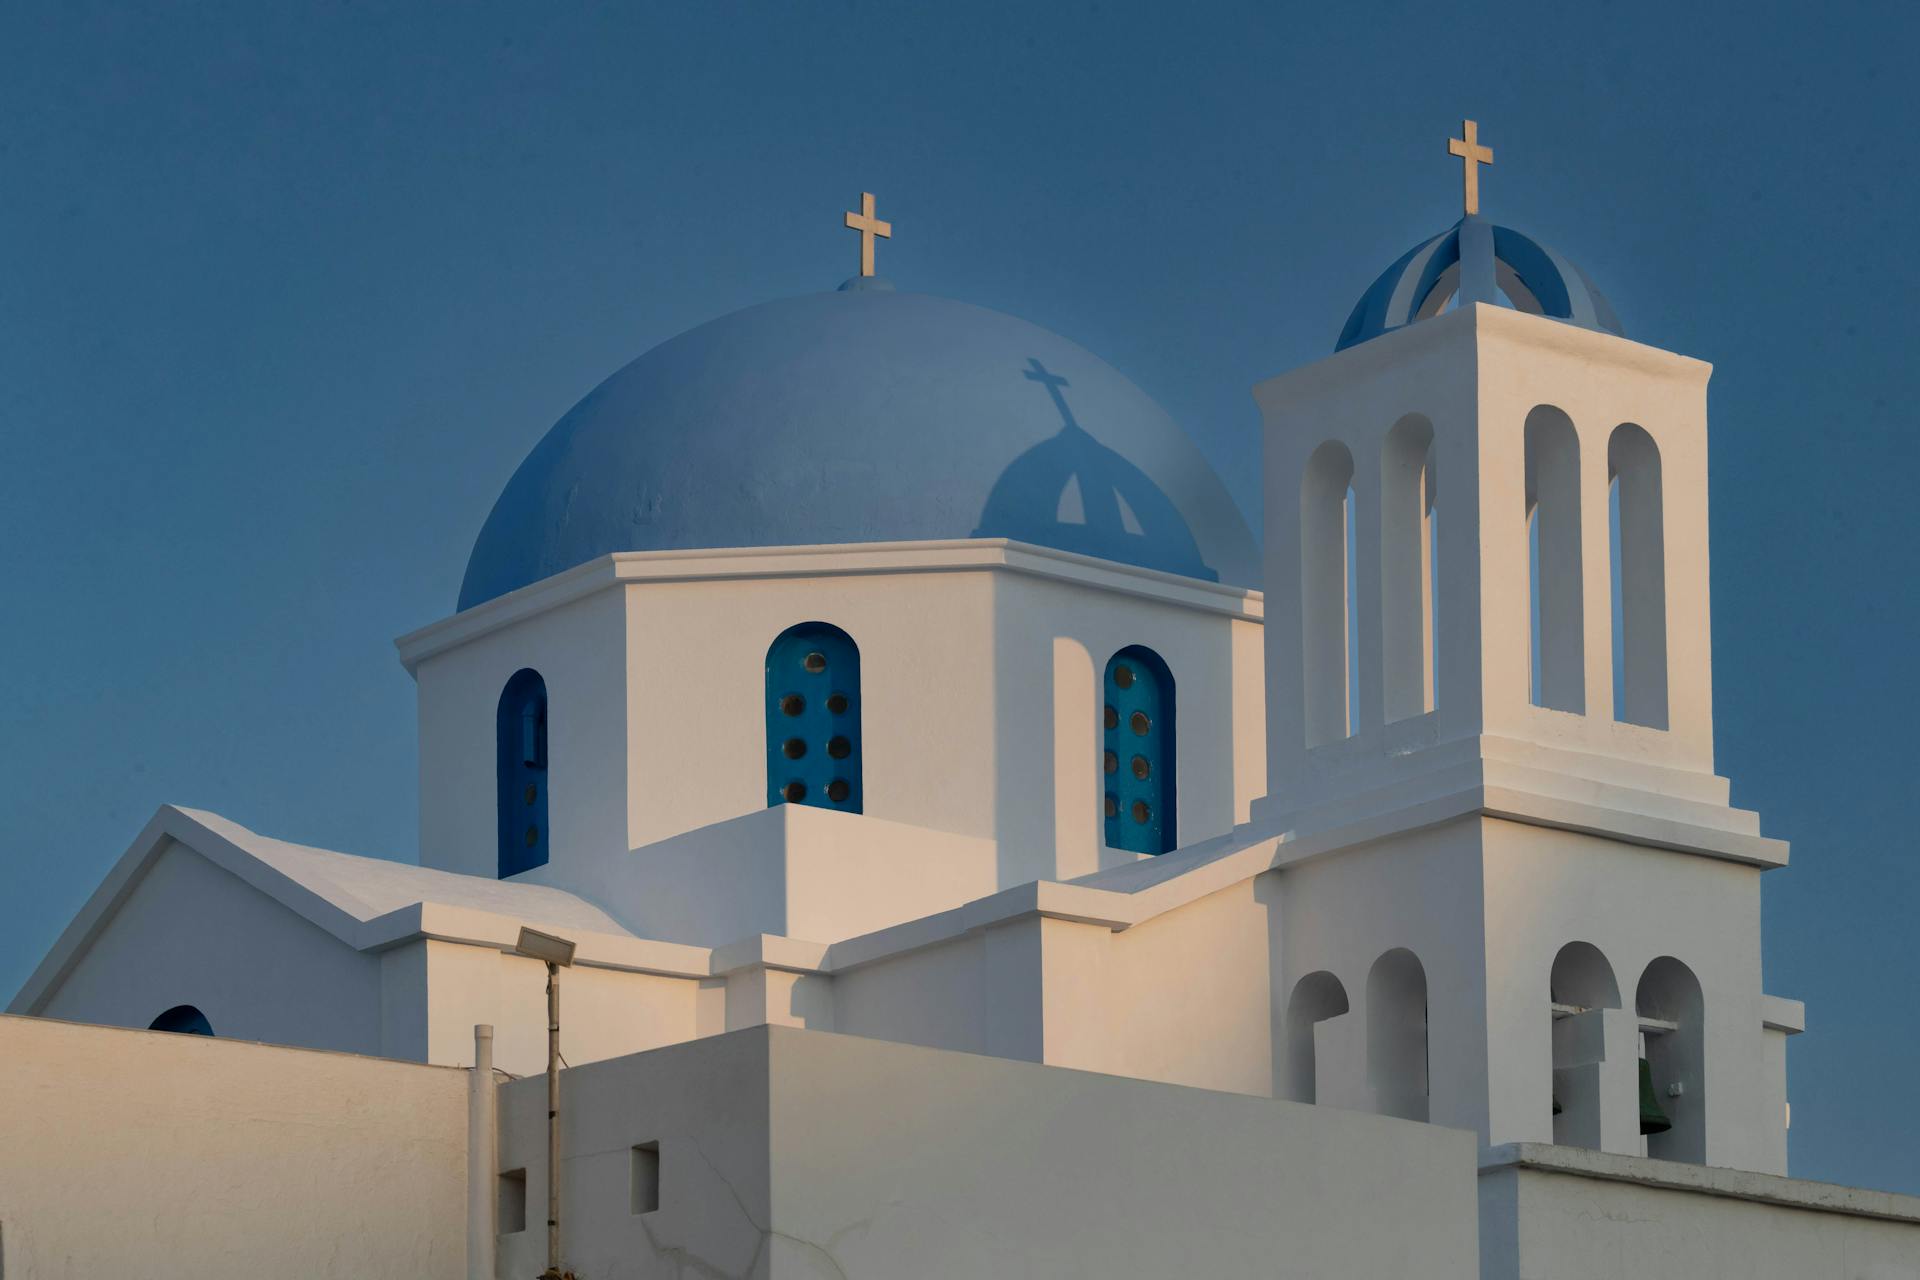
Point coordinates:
[[868, 226], [1473, 154]]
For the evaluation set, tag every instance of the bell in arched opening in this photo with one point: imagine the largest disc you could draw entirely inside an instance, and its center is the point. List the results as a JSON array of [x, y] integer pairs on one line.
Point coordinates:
[[1652, 1118]]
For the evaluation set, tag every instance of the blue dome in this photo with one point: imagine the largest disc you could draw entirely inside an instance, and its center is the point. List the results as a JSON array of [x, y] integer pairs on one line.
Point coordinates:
[[863, 415], [1477, 261]]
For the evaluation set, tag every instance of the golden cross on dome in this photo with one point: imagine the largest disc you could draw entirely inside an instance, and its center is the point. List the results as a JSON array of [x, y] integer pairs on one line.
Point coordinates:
[[1473, 155], [868, 226]]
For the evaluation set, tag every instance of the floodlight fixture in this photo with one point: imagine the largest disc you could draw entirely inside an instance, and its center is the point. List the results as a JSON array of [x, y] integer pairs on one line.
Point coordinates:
[[544, 946], [556, 954]]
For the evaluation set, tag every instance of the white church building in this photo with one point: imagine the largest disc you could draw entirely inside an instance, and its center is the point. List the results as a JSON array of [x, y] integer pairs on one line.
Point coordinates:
[[984, 860]]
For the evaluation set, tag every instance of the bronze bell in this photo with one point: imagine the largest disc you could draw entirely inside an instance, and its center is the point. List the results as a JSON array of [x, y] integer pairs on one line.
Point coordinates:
[[1652, 1118]]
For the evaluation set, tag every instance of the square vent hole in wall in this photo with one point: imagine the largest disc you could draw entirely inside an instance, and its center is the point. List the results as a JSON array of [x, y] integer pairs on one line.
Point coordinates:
[[513, 1202], [646, 1177]]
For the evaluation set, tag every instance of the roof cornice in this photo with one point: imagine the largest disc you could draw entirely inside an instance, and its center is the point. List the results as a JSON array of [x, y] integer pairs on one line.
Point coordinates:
[[839, 560]]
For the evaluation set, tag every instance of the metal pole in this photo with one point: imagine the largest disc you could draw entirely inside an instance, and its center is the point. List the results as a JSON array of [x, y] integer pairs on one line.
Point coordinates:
[[553, 1118], [482, 1160]]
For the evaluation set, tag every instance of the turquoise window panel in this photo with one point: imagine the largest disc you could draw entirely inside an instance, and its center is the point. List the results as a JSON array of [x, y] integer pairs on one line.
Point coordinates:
[[520, 735], [813, 718], [1138, 758]]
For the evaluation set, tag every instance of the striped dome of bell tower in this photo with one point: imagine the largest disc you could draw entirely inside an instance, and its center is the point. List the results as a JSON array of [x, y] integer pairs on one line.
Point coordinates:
[[1477, 261]]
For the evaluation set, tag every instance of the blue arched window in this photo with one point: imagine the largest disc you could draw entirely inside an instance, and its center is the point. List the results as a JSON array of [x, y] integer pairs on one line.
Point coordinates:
[[1139, 752], [520, 735], [183, 1018], [813, 718]]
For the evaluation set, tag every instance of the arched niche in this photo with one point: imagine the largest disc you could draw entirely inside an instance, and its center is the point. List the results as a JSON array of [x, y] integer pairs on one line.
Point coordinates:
[[1580, 982], [1397, 1034], [1639, 577], [1324, 577], [1316, 998], [1672, 1011], [1407, 582], [1582, 978], [1559, 678]]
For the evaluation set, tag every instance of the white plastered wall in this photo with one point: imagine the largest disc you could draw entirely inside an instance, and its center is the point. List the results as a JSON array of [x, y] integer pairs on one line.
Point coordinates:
[[1576, 1216], [697, 695], [1341, 913], [784, 1153], [578, 649], [192, 933], [980, 665], [1054, 642], [1546, 888], [1184, 998], [605, 1013], [137, 1153]]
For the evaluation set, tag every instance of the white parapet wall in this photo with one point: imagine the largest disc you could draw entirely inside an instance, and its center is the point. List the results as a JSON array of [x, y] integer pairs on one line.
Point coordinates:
[[782, 1153], [151, 1154], [1560, 1213]]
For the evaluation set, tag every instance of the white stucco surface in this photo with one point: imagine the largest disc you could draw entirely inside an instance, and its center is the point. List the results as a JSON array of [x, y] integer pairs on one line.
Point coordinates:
[[790, 870], [655, 665], [143, 1153], [787, 1154], [1553, 1213]]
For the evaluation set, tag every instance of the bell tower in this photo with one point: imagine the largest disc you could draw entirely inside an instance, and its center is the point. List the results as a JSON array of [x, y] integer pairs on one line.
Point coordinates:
[[1488, 550], [1490, 723]]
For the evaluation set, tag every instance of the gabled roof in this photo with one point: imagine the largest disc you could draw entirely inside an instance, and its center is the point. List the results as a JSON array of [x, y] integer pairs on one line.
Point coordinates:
[[369, 904]]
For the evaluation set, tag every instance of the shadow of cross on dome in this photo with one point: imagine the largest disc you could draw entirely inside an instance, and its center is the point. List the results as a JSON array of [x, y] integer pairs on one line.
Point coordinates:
[[1075, 494]]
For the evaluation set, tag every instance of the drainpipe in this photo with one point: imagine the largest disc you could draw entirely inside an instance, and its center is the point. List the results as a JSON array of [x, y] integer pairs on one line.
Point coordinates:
[[482, 1159]]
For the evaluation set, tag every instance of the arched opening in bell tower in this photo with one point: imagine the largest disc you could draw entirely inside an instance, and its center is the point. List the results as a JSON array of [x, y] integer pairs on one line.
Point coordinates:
[[1556, 583], [1326, 624], [1407, 578], [1638, 543], [1672, 1013], [1316, 998], [1580, 982], [1397, 1034]]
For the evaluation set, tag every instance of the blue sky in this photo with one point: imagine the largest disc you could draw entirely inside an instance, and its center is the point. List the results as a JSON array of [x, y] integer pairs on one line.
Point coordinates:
[[288, 291]]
